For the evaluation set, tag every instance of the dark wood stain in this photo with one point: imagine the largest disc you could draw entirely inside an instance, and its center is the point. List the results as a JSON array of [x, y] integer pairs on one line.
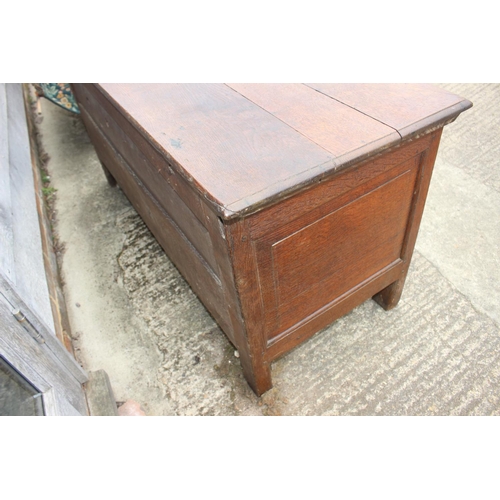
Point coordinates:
[[408, 108], [231, 149], [314, 115], [283, 205]]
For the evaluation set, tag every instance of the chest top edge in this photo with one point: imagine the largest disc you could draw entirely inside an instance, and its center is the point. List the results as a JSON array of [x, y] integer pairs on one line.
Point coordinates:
[[242, 155]]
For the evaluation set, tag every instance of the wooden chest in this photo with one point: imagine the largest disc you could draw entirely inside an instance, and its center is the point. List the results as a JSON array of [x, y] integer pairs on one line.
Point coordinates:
[[283, 205]]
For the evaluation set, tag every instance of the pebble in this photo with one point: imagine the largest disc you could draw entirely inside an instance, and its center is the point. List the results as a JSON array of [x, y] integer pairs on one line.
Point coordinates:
[[131, 408], [236, 354]]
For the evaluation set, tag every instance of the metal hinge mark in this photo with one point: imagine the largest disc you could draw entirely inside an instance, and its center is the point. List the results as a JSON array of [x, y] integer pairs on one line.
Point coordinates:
[[21, 318]]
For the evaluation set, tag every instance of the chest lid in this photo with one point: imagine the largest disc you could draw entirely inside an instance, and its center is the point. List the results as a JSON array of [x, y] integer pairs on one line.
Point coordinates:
[[244, 146]]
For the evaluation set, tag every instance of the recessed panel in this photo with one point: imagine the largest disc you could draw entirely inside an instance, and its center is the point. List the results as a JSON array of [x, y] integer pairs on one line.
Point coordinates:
[[320, 262]]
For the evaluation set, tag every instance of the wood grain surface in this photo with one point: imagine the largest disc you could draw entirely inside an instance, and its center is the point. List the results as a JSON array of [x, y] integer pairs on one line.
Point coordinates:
[[332, 125], [309, 262], [407, 108], [21, 251], [336, 252], [282, 205], [228, 147], [245, 146], [202, 278]]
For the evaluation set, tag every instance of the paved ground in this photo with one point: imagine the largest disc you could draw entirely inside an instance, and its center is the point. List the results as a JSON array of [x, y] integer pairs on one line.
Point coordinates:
[[437, 353]]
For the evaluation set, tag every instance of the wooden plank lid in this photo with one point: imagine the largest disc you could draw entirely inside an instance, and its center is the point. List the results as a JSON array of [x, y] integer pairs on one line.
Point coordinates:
[[244, 146]]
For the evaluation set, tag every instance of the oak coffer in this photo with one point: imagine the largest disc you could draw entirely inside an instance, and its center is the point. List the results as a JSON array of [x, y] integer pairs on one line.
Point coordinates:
[[284, 206]]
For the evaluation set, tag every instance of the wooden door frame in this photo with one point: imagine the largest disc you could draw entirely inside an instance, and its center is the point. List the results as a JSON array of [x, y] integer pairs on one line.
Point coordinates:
[[33, 346], [29, 353]]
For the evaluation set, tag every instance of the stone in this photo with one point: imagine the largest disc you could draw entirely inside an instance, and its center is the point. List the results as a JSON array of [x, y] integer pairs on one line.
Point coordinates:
[[131, 408]]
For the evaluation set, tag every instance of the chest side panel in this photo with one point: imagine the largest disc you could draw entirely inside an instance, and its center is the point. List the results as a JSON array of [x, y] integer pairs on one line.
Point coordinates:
[[353, 232], [183, 224], [329, 257], [182, 204]]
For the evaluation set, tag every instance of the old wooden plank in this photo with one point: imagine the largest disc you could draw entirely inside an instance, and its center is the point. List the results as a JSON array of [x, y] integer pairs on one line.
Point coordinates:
[[36, 362], [374, 222], [389, 297], [408, 108], [229, 148], [100, 397], [310, 325], [201, 277], [30, 279], [316, 200], [178, 208], [54, 345], [251, 342], [7, 267], [338, 128], [57, 300]]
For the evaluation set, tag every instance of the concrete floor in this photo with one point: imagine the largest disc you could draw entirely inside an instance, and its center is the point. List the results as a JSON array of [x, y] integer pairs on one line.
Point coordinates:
[[437, 353]]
